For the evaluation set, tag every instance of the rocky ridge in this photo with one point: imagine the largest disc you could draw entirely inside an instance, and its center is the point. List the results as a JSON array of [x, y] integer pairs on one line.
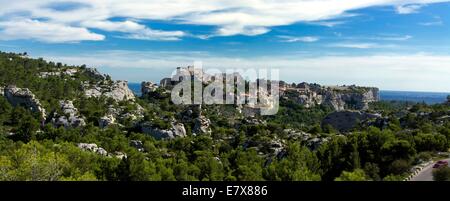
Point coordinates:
[[117, 90]]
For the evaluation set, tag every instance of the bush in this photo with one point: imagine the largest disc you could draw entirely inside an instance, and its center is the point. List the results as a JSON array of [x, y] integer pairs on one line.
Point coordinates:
[[441, 174]]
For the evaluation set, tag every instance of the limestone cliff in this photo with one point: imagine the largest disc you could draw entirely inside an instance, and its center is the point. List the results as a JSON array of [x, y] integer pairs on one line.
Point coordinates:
[[337, 97]]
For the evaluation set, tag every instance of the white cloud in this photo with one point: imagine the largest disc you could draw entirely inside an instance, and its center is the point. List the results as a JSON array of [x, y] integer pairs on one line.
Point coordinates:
[[291, 39], [44, 31], [328, 23], [434, 23], [134, 30], [393, 38], [355, 45], [150, 34], [408, 9], [437, 21], [124, 26], [234, 30], [399, 72], [230, 17]]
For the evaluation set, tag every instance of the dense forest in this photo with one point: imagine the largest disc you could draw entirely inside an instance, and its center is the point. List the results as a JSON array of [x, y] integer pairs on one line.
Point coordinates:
[[238, 149]]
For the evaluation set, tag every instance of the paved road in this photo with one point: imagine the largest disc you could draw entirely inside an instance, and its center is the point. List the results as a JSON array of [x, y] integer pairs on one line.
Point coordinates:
[[427, 173]]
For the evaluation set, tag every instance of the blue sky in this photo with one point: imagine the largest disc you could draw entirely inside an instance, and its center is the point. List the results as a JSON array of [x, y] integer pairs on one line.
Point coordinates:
[[391, 44]]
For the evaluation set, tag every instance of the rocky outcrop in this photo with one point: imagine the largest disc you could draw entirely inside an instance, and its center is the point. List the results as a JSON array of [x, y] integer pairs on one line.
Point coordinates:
[[296, 135], [70, 116], [117, 114], [120, 155], [338, 97], [93, 73], [345, 121], [24, 97], [202, 125], [106, 121], [92, 148], [176, 130], [148, 87], [276, 147], [117, 90], [316, 142], [71, 72]]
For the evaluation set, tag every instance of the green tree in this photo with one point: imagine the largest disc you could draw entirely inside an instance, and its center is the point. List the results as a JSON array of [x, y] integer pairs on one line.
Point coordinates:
[[356, 175], [441, 174], [300, 164]]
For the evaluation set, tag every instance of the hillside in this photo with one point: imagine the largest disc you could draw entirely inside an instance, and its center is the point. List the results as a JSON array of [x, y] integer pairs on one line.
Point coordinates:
[[60, 122]]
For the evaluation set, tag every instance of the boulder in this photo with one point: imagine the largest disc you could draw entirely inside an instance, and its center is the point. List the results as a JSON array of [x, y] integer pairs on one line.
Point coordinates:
[[24, 97], [176, 130], [120, 155], [92, 148], [70, 116]]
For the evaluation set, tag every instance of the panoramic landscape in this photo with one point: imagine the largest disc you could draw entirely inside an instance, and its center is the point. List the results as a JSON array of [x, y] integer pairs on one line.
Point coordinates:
[[225, 90]]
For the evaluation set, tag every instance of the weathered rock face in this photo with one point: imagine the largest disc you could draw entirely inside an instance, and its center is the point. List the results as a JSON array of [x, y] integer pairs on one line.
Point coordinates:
[[117, 90], [353, 100], [70, 116], [176, 130], [24, 97], [148, 87], [347, 120], [339, 98]]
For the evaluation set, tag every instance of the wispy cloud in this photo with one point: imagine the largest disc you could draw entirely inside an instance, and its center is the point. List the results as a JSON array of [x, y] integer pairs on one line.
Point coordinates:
[[437, 21], [355, 45], [392, 37], [291, 39], [328, 23], [229, 17], [409, 9]]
